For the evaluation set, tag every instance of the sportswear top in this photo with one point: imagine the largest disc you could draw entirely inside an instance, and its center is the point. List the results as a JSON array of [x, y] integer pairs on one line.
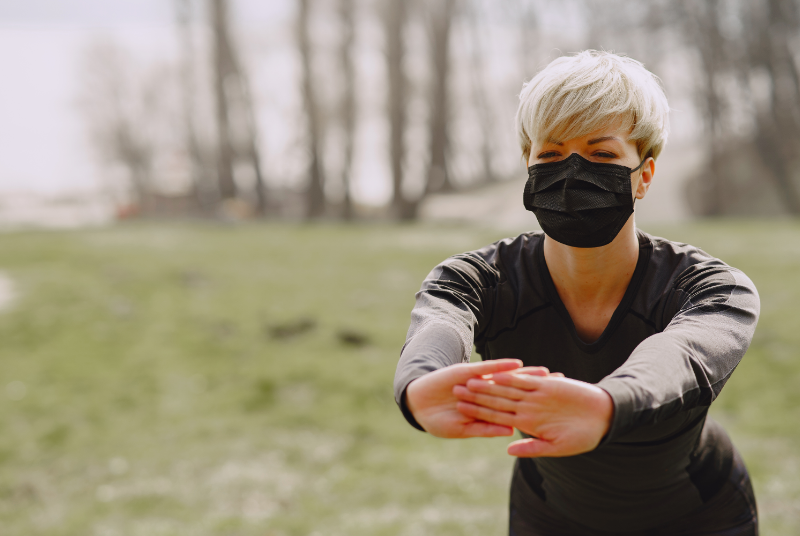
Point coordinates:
[[680, 330]]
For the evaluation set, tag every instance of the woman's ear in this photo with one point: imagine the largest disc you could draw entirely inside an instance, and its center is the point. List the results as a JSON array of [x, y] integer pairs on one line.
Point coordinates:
[[646, 177]]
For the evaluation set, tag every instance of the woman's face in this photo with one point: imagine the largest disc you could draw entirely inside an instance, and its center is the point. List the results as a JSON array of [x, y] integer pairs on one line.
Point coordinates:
[[610, 146]]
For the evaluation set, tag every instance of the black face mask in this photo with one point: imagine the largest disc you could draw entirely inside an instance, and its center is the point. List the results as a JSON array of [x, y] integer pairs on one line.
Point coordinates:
[[580, 203]]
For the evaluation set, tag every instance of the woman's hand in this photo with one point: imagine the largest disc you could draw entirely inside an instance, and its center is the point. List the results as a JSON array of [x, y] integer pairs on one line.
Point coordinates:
[[566, 417], [432, 401]]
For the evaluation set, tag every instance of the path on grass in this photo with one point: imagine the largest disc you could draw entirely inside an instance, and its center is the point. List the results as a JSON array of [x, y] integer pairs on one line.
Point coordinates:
[[6, 292]]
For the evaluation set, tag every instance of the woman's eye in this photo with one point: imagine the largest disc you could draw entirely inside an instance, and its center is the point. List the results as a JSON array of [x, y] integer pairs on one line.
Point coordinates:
[[548, 154]]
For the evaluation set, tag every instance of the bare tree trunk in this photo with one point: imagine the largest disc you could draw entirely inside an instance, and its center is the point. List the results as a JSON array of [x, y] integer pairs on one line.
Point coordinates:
[[315, 193], [716, 198], [441, 18], [480, 98], [346, 13], [395, 18], [202, 190], [223, 68], [261, 186], [778, 130], [702, 22], [238, 140], [769, 145], [252, 148]]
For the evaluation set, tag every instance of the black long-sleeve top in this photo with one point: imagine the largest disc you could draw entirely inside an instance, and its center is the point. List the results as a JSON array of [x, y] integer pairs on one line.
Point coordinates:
[[681, 328]]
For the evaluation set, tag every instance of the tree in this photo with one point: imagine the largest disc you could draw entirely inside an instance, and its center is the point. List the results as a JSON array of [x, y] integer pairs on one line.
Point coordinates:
[[441, 16], [236, 140], [479, 97], [777, 125], [346, 53], [204, 189], [315, 192], [223, 68], [701, 22], [732, 59], [120, 112], [395, 20]]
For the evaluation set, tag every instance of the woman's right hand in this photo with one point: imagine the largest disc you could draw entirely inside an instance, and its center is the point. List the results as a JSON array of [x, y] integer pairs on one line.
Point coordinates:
[[431, 400]]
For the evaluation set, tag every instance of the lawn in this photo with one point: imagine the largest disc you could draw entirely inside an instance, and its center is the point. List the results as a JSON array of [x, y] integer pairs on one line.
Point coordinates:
[[190, 379]]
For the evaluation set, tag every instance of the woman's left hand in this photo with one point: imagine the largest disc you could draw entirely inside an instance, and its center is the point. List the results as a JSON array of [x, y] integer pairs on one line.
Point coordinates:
[[566, 417]]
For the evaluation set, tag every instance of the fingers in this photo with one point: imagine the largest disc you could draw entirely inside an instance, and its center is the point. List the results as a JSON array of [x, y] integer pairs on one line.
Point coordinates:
[[480, 413], [492, 402], [487, 429], [532, 448], [491, 388], [470, 370], [534, 371], [520, 381]]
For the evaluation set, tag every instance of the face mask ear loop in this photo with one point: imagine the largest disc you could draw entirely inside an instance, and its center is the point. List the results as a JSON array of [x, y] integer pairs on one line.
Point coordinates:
[[640, 164], [634, 169]]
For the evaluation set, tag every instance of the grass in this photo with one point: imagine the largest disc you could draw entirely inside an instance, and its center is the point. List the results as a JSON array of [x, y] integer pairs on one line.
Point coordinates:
[[188, 379]]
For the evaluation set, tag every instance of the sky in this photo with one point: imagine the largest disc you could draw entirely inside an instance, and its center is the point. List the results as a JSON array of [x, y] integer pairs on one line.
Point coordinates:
[[42, 143], [122, 12], [43, 146], [85, 12], [40, 136]]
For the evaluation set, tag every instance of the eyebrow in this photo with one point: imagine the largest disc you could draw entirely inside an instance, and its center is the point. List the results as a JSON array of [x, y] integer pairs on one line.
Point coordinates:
[[602, 139], [590, 142]]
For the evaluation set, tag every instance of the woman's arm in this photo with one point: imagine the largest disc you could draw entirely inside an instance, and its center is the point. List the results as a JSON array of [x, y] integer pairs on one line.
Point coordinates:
[[687, 364], [454, 303], [681, 368]]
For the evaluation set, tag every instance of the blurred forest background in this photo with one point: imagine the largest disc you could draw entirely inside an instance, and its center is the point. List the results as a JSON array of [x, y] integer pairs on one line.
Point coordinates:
[[365, 109], [209, 348]]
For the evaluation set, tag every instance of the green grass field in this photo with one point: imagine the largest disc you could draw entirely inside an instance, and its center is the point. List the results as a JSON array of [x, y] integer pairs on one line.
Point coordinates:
[[187, 379]]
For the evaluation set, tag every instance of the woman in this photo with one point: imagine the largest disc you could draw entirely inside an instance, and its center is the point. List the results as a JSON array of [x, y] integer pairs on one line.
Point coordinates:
[[641, 333]]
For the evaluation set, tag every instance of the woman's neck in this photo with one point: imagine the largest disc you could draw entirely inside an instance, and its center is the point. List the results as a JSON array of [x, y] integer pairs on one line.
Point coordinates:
[[594, 277]]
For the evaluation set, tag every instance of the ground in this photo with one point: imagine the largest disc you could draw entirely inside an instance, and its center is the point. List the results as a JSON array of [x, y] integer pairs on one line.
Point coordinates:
[[189, 379]]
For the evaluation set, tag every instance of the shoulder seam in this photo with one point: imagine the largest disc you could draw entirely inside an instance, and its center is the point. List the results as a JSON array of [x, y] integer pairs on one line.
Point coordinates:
[[495, 272]]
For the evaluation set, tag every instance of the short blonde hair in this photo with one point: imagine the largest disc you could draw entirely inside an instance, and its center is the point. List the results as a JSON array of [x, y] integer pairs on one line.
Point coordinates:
[[576, 95]]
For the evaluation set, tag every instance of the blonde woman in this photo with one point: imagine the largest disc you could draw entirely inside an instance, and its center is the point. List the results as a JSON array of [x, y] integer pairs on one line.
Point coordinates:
[[640, 333]]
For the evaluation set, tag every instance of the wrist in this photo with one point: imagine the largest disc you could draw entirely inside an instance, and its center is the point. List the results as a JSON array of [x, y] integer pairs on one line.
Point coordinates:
[[406, 411], [604, 409], [409, 397]]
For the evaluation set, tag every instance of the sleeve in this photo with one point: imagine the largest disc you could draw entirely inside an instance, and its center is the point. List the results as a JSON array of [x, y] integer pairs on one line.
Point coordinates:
[[687, 364], [454, 304]]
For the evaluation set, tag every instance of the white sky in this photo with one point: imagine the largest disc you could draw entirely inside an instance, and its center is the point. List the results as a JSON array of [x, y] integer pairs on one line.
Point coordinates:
[[43, 147], [40, 136], [123, 12]]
